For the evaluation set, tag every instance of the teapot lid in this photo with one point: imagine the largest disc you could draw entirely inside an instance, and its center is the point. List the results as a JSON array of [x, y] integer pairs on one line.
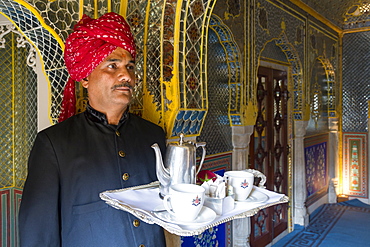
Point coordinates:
[[181, 142], [181, 139]]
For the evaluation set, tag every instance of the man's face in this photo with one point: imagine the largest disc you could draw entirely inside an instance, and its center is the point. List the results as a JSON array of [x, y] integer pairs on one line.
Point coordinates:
[[111, 83]]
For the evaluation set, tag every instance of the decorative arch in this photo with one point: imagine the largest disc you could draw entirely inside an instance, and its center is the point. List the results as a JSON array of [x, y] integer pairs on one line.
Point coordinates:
[[292, 57], [47, 43], [234, 65], [330, 76], [184, 76]]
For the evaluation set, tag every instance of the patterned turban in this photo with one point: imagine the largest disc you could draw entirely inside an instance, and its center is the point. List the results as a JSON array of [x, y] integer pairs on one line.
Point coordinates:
[[87, 46]]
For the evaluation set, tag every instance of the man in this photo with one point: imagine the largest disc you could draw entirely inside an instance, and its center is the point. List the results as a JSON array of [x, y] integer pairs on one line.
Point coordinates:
[[101, 149]]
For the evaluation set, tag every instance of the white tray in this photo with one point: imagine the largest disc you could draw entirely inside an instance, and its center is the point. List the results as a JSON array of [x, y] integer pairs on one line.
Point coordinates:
[[140, 201]]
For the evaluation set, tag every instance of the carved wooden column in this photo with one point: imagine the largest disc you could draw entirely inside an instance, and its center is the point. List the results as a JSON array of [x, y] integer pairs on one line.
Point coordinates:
[[300, 192], [241, 137]]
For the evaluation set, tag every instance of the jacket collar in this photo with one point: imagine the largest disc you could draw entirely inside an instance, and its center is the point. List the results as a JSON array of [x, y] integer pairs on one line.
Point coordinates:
[[98, 117]]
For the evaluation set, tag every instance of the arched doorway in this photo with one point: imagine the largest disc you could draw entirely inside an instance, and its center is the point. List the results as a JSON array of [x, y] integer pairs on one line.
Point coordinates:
[[269, 145]]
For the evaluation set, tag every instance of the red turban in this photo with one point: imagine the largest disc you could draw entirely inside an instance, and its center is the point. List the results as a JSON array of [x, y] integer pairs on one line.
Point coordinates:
[[87, 46]]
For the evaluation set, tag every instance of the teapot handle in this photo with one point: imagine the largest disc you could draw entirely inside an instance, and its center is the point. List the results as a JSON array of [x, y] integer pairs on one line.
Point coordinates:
[[203, 145]]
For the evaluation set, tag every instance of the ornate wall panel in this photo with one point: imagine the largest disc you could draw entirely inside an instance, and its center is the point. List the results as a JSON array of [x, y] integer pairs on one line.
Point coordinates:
[[214, 236], [192, 89], [287, 29], [356, 84], [355, 164], [322, 44], [272, 20], [316, 163]]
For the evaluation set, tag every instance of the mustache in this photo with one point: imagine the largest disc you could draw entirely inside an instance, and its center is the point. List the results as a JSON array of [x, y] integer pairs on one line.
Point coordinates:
[[125, 84]]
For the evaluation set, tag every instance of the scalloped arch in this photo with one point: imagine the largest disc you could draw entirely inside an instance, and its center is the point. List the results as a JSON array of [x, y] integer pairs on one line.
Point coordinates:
[[292, 57], [330, 76], [48, 46], [234, 65]]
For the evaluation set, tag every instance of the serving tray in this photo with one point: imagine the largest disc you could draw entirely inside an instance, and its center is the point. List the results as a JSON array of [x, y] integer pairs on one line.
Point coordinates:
[[140, 201]]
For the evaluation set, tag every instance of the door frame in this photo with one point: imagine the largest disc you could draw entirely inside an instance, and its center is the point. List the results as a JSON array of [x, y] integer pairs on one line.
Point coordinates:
[[277, 65]]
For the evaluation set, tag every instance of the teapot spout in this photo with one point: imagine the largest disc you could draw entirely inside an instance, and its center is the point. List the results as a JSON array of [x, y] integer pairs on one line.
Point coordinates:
[[163, 174]]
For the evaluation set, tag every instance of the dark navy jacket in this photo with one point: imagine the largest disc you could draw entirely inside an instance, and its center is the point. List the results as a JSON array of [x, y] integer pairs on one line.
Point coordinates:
[[70, 164]]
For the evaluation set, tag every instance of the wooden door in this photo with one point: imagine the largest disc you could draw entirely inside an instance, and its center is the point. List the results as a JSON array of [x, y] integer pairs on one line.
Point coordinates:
[[269, 151]]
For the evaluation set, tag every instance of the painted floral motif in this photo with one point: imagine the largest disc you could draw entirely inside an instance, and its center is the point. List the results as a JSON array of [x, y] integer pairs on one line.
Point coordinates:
[[197, 9], [354, 171], [192, 57], [192, 83], [168, 27], [135, 20], [208, 238], [193, 33], [316, 167]]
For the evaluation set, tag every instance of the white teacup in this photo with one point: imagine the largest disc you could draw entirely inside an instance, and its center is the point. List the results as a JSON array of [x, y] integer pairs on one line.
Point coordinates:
[[242, 183], [184, 201]]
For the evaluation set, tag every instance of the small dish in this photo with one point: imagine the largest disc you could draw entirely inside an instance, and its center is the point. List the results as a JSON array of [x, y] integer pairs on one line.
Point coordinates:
[[206, 215], [255, 196]]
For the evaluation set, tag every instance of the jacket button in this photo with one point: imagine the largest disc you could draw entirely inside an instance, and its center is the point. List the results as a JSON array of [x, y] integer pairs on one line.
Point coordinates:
[[125, 176], [121, 153], [136, 223], [117, 133], [141, 245]]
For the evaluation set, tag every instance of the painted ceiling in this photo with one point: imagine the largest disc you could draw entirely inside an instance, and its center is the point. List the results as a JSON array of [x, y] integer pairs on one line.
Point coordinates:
[[345, 14]]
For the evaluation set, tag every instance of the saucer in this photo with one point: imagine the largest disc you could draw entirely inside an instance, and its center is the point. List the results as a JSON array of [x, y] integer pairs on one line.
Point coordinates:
[[206, 215], [255, 196]]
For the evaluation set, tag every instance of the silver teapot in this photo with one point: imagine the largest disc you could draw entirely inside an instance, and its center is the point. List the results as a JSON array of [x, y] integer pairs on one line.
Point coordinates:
[[179, 165]]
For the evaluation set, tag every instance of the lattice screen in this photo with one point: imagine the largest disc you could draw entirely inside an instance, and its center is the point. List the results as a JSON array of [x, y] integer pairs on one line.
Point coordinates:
[[48, 46], [18, 108], [217, 128], [356, 84]]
